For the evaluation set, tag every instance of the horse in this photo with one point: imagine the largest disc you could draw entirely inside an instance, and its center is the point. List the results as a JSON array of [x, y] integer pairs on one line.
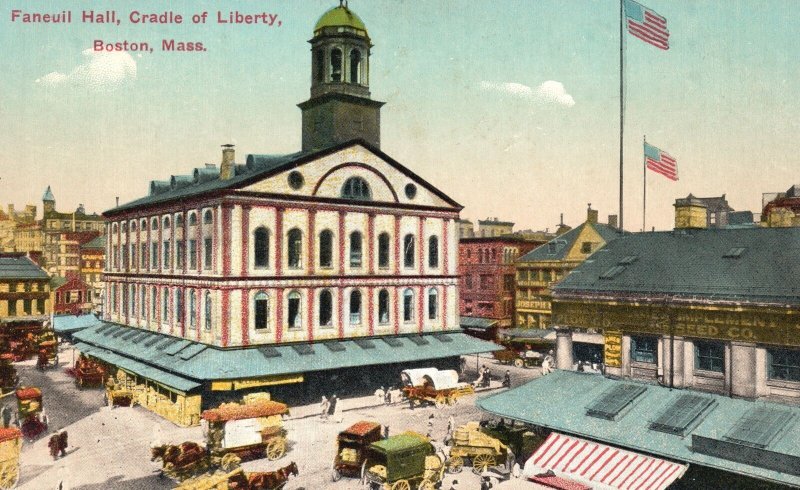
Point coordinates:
[[178, 456], [272, 480]]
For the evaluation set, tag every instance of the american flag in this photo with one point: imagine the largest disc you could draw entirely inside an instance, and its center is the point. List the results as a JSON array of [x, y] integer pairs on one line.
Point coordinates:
[[660, 161], [646, 25]]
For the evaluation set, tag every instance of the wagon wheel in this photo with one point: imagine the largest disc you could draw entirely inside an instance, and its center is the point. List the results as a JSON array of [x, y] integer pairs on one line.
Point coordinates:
[[401, 485], [455, 464], [276, 448], [426, 485], [441, 401], [9, 475], [230, 462], [519, 363], [482, 462]]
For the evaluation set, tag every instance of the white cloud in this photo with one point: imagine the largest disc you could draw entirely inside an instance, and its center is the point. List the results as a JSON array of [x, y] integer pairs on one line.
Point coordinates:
[[549, 91], [100, 71]]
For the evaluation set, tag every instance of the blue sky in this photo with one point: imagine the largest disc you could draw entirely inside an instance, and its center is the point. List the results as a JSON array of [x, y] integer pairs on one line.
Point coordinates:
[[472, 91]]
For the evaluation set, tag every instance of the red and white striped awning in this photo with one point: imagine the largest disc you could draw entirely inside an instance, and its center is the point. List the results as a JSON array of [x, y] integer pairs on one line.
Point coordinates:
[[601, 466]]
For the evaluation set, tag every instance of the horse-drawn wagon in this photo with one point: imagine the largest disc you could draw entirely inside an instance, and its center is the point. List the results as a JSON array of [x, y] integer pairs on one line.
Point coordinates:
[[88, 373], [403, 462], [29, 406], [239, 480], [48, 354], [472, 446], [430, 385], [10, 445], [351, 448]]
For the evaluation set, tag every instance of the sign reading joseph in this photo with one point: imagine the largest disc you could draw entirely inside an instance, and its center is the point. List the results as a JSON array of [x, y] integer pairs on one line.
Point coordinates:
[[747, 325]]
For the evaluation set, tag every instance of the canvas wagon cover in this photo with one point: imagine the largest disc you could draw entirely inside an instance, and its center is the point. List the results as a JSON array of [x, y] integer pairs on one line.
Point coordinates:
[[9, 433], [414, 377], [360, 429], [29, 394], [232, 411], [442, 380]]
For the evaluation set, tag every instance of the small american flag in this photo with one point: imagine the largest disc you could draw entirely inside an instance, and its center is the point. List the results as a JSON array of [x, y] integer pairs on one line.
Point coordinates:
[[646, 25], [661, 162]]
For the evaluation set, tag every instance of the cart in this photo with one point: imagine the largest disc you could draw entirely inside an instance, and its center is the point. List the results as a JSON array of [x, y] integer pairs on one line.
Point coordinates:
[[403, 462], [472, 446], [10, 445], [433, 386], [249, 430], [23, 347], [351, 446], [29, 406], [88, 373], [8, 373], [186, 460], [520, 439], [48, 354], [239, 480]]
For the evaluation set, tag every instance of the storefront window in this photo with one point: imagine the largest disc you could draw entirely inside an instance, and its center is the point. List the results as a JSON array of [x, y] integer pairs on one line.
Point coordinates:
[[784, 364], [644, 349], [709, 356]]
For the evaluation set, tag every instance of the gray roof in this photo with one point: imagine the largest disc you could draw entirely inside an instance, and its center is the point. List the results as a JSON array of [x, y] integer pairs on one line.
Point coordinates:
[[557, 248], [20, 266], [98, 242], [257, 167], [477, 322], [745, 265]]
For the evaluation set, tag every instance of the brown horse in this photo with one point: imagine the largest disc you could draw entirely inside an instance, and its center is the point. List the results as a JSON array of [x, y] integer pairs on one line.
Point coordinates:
[[178, 456], [273, 480]]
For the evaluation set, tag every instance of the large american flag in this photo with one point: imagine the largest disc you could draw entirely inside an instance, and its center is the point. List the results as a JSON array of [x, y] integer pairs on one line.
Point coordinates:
[[646, 25], [660, 161]]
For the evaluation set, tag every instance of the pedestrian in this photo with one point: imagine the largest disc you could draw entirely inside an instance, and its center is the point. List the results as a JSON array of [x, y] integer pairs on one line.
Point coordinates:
[[62, 442], [386, 431], [507, 379], [43, 418], [430, 426], [324, 405], [388, 396], [5, 413], [53, 445], [380, 395], [462, 364], [547, 364], [451, 425]]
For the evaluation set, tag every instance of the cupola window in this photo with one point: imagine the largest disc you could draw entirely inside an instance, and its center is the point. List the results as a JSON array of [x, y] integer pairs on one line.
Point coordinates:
[[355, 66], [336, 65]]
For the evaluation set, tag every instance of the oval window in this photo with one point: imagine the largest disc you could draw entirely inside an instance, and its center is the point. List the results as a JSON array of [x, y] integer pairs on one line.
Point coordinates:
[[411, 191], [296, 180]]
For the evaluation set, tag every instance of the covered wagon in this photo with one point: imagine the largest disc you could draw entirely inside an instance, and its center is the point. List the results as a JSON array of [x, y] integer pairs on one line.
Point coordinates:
[[251, 431], [473, 446], [434, 386], [351, 448], [403, 462]]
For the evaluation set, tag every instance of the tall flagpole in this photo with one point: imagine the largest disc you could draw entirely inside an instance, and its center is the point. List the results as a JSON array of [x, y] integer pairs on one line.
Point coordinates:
[[644, 186], [621, 104]]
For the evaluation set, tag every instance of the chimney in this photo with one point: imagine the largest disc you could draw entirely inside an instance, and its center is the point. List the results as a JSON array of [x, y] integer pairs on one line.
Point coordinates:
[[227, 168], [591, 215], [612, 221]]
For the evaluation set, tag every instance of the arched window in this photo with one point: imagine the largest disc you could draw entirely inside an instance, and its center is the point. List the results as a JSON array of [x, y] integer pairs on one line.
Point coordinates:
[[192, 219], [166, 222], [295, 248], [433, 252], [154, 224], [356, 188], [178, 305], [208, 311], [208, 217], [383, 306], [355, 249], [192, 309], [133, 226], [408, 305], [355, 66], [355, 307], [326, 249], [433, 304], [124, 228], [408, 250], [336, 65], [179, 220], [319, 65], [261, 316], [383, 250], [114, 228], [295, 313], [261, 247], [325, 308], [153, 304]]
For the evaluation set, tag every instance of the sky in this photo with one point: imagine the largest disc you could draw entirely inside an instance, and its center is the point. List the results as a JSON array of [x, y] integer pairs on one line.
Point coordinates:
[[510, 107]]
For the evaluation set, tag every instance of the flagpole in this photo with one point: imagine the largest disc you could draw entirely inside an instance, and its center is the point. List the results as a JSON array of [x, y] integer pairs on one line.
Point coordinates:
[[621, 105], [644, 185]]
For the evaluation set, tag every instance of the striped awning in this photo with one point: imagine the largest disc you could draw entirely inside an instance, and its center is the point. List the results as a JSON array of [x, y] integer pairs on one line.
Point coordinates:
[[601, 466]]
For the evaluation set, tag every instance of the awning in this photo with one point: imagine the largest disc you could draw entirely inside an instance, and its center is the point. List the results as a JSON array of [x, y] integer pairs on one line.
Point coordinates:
[[198, 361], [154, 374], [601, 466], [528, 333], [67, 324], [477, 323]]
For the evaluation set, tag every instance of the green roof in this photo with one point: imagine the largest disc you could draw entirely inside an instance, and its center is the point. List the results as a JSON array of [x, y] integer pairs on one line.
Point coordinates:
[[559, 402], [17, 265], [198, 361], [65, 324], [401, 442], [98, 242], [742, 265], [340, 16], [478, 322], [558, 247]]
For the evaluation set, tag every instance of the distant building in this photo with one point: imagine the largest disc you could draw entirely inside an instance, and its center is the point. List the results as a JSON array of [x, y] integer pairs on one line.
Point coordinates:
[[715, 210], [544, 266], [24, 296], [486, 267], [781, 209], [491, 227], [92, 263], [465, 229], [61, 259], [70, 295], [68, 255]]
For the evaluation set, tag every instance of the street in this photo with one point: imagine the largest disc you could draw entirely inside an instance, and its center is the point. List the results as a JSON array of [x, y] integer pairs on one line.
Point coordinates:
[[109, 448]]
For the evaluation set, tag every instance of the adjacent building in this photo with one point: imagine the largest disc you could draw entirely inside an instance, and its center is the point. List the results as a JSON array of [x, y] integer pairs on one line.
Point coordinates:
[[60, 243], [781, 209], [92, 263], [71, 295], [301, 274], [24, 296]]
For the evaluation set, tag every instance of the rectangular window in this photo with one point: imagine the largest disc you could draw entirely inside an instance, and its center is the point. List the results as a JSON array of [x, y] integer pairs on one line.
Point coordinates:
[[143, 256], [193, 254], [165, 262], [784, 364], [124, 256], [709, 356], [508, 282], [261, 313], [40, 306], [180, 254], [178, 305], [484, 281], [295, 320], [468, 281], [154, 255], [644, 349], [26, 306], [133, 255], [165, 305], [207, 251], [12, 307], [408, 307]]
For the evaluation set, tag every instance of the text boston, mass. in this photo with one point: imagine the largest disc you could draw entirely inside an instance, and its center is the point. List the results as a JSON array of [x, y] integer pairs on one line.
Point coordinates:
[[139, 17]]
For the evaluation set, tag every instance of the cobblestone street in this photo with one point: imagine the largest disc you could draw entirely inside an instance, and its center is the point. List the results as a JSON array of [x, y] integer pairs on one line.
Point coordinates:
[[115, 443]]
